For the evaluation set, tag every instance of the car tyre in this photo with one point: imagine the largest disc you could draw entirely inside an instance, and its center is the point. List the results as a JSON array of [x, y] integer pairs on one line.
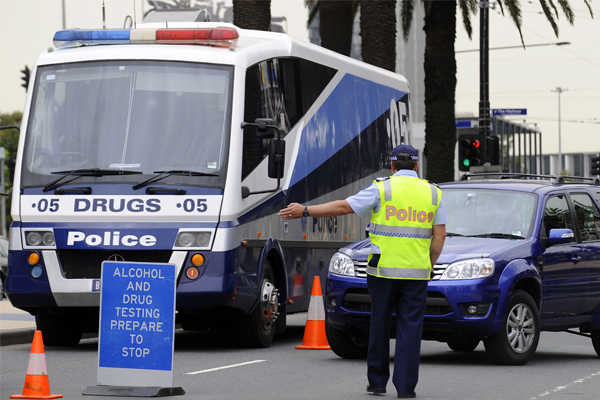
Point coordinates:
[[596, 340], [463, 346], [518, 338], [257, 329], [349, 344], [60, 327]]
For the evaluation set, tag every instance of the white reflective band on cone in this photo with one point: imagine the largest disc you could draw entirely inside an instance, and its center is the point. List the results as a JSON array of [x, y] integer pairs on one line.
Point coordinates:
[[316, 309], [37, 364]]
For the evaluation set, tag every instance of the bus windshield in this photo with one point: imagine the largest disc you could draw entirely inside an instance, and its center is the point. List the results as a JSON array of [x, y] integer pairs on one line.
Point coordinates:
[[134, 116]]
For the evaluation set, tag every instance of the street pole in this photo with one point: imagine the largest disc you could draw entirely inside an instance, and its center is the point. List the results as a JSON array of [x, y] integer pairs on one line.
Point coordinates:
[[484, 93], [3, 190], [559, 90], [64, 15]]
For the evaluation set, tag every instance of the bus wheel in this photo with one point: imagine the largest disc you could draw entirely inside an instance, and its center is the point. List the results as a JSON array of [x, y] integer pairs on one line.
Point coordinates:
[[518, 338], [60, 327], [351, 343], [258, 328]]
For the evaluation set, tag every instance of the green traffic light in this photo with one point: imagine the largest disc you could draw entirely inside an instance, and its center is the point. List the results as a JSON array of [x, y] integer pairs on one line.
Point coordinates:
[[466, 162]]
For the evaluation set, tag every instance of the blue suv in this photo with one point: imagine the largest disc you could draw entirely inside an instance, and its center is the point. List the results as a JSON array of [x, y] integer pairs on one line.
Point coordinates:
[[522, 255]]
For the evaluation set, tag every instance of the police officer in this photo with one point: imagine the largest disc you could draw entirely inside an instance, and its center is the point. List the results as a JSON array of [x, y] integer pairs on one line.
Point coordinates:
[[407, 230]]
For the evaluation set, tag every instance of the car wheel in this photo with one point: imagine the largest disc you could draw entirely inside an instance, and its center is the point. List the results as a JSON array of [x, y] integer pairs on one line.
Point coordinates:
[[596, 341], [463, 346], [60, 327], [518, 338], [350, 343], [258, 329]]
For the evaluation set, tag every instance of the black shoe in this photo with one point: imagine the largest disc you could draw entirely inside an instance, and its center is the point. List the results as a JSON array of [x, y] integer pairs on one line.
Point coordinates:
[[375, 390], [407, 395]]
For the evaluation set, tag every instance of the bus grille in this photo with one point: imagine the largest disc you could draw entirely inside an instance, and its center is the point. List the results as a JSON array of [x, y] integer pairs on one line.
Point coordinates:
[[87, 264]]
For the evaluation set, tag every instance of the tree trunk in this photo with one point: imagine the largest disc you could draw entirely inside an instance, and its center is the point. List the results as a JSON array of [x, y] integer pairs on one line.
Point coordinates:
[[440, 88], [378, 33], [335, 25], [252, 14]]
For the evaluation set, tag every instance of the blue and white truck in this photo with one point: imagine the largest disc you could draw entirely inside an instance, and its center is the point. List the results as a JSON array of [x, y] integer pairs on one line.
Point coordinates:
[[178, 142]]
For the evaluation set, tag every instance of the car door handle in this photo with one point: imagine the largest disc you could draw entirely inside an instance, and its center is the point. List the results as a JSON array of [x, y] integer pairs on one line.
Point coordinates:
[[576, 259]]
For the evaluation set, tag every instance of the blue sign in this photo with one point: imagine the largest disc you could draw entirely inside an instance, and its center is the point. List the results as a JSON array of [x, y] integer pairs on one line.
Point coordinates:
[[137, 316], [463, 124], [509, 111]]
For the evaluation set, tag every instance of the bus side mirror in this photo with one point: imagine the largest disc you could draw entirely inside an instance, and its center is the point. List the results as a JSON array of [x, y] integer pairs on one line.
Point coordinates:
[[276, 158]]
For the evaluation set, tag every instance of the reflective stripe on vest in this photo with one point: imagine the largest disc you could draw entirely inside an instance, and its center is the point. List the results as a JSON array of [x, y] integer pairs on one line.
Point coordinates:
[[401, 231], [399, 273]]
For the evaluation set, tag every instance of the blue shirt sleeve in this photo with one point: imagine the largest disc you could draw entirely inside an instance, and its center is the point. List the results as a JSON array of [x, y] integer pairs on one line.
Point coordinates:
[[440, 218], [365, 201]]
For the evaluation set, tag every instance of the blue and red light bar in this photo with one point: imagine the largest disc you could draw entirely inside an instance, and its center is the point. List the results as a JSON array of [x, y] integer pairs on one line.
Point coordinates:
[[220, 36]]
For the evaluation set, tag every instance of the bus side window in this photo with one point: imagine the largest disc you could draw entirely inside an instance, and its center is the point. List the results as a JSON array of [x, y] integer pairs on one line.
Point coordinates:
[[276, 88]]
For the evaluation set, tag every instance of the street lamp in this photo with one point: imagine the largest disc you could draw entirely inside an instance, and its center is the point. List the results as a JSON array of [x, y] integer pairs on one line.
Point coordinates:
[[559, 90]]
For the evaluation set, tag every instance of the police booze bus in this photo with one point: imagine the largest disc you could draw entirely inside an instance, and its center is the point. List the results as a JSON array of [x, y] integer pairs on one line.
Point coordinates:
[[178, 142]]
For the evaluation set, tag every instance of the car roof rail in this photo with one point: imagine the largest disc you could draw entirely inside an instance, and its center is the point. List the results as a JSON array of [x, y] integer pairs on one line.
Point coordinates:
[[557, 179]]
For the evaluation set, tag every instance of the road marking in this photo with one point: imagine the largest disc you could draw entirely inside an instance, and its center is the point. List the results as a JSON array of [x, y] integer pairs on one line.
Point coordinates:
[[225, 367], [568, 385]]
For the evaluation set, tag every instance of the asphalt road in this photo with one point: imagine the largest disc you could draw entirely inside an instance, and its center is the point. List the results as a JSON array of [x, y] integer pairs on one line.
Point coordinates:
[[207, 367]]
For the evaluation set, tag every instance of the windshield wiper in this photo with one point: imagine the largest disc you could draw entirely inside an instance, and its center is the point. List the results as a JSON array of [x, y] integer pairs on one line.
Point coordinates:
[[453, 234], [164, 174], [78, 173], [498, 235]]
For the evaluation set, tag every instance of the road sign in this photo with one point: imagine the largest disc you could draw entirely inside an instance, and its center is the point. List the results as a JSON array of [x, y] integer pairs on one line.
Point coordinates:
[[509, 111], [137, 324]]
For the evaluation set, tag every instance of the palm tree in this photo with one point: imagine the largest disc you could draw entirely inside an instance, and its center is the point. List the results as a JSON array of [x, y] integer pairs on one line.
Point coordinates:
[[440, 69], [336, 19], [378, 33], [252, 14]]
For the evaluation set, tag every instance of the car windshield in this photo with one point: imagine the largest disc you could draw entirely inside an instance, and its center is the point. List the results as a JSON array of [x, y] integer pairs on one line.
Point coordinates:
[[135, 116], [489, 213]]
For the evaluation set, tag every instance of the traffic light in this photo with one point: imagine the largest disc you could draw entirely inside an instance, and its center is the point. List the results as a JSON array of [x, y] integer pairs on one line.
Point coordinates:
[[25, 71], [493, 150], [471, 149], [595, 165]]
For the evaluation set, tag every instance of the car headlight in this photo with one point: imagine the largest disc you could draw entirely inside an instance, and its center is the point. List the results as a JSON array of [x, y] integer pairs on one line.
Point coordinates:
[[341, 264], [469, 269]]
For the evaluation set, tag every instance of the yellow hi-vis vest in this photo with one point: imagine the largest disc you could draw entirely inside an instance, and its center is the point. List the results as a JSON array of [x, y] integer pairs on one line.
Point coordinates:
[[403, 227]]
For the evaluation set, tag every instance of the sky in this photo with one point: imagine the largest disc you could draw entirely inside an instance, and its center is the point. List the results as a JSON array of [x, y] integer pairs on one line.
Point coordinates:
[[518, 78]]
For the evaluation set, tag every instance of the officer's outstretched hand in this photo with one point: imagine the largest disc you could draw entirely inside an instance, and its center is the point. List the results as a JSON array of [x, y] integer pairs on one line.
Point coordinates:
[[292, 211]]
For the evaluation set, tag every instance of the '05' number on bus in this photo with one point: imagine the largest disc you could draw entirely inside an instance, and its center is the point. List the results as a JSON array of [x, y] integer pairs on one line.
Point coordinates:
[[44, 205]]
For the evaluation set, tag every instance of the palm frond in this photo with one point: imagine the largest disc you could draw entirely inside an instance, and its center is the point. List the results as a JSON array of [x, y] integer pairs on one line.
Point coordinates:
[[313, 12], [468, 8], [549, 16], [514, 11], [589, 6], [566, 7], [554, 8], [407, 8]]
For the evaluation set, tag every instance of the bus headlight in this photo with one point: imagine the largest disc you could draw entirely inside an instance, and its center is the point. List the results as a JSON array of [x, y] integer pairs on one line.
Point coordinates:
[[193, 239], [341, 264], [469, 269], [40, 239]]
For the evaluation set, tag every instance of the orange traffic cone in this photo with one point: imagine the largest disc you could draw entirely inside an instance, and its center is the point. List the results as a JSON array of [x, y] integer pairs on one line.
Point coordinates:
[[36, 380], [314, 332]]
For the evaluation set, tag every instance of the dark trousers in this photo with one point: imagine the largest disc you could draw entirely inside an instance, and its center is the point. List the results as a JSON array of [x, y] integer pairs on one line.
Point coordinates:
[[408, 298]]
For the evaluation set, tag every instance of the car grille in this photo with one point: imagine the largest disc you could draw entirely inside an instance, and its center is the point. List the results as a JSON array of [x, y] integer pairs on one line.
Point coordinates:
[[360, 270], [357, 299], [87, 264]]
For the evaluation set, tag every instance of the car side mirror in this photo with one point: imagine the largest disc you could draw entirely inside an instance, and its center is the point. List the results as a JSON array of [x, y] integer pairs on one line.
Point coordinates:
[[560, 236]]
